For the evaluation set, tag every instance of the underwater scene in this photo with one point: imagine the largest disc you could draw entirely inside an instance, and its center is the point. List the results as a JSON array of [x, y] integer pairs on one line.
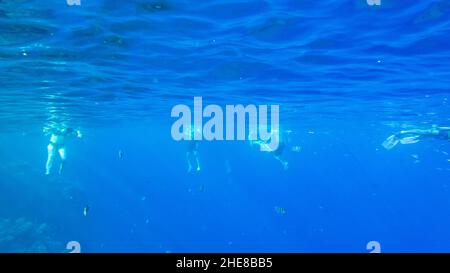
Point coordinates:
[[229, 126]]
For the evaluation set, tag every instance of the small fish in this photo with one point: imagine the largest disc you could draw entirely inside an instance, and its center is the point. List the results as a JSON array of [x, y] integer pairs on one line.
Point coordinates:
[[280, 210], [86, 210], [120, 154]]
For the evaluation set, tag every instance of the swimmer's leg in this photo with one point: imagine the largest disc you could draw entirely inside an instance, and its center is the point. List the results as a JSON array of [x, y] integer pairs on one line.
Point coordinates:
[[188, 159], [410, 140], [62, 154], [48, 165], [283, 162], [197, 161]]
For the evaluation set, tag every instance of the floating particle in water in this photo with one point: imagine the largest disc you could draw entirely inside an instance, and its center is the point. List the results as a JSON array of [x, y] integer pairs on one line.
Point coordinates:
[[154, 6], [227, 166], [144, 198], [311, 132], [147, 221], [280, 210], [201, 188], [120, 154], [415, 156], [297, 149], [320, 229], [416, 161]]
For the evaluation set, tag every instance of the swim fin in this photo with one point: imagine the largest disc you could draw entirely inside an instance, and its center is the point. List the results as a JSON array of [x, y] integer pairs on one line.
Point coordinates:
[[390, 142], [410, 140]]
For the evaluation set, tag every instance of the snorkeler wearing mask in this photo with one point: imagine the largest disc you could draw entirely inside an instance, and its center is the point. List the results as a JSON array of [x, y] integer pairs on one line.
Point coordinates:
[[192, 150], [415, 135], [57, 145]]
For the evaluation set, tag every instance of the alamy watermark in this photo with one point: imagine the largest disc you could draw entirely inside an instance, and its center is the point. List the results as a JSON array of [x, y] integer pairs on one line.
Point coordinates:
[[73, 247], [73, 2], [374, 247], [374, 2], [241, 123]]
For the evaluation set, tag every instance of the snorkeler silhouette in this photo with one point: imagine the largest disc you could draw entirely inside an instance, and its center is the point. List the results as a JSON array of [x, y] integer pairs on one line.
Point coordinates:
[[415, 135], [283, 143], [192, 153], [57, 144]]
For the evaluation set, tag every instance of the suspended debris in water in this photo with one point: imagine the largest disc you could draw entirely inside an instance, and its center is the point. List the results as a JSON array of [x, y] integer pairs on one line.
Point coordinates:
[[297, 149], [154, 6], [227, 166], [120, 154], [201, 188], [280, 210]]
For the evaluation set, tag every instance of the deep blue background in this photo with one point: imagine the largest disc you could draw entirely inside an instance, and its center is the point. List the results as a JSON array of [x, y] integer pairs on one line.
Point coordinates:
[[346, 75]]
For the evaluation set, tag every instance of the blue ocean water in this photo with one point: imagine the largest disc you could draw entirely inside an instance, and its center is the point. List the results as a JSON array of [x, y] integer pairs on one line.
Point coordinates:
[[346, 75]]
